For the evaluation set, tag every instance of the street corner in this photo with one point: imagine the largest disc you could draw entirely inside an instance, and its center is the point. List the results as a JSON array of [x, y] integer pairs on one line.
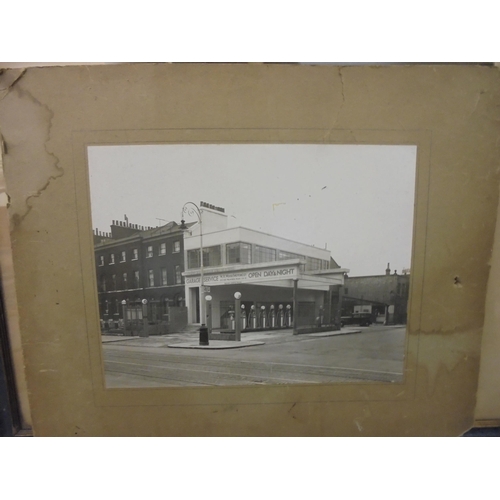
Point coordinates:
[[216, 344]]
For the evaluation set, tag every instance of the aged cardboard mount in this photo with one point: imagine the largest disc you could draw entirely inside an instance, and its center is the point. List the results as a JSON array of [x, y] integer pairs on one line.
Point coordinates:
[[48, 117]]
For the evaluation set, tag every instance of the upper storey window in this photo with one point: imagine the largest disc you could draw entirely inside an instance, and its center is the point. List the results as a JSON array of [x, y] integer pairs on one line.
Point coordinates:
[[211, 257], [264, 254], [238, 253]]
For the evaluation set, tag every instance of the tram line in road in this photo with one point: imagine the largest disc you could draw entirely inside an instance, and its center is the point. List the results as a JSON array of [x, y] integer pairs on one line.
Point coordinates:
[[224, 371]]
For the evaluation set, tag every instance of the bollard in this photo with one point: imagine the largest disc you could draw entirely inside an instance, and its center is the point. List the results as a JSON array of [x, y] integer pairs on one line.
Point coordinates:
[[203, 335]]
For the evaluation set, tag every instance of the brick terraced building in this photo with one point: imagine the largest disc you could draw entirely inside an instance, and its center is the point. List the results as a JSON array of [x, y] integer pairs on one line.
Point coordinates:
[[134, 263]]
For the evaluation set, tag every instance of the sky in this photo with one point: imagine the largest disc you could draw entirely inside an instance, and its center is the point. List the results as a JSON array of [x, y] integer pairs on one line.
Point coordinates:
[[358, 200]]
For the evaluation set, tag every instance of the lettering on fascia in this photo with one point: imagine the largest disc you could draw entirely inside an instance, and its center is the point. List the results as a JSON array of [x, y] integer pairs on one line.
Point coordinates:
[[242, 276]]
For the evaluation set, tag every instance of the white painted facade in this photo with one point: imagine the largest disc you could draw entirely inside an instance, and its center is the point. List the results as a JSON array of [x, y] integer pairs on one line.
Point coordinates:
[[262, 284]]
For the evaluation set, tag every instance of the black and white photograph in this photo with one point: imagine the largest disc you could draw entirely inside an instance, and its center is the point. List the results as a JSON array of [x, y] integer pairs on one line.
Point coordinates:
[[248, 264]]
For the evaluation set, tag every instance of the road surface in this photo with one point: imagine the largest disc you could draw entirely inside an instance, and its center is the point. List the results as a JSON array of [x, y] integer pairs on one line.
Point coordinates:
[[376, 354]]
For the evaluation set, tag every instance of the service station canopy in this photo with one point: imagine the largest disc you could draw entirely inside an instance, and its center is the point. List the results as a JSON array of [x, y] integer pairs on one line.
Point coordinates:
[[282, 274]]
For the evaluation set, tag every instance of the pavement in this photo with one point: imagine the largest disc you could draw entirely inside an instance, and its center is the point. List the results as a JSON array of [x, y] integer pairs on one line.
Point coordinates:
[[190, 340], [116, 338], [216, 344]]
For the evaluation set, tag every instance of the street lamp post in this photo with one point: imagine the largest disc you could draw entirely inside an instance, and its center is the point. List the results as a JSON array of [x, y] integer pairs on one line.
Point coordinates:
[[145, 332], [124, 307], [237, 318], [208, 298], [191, 209]]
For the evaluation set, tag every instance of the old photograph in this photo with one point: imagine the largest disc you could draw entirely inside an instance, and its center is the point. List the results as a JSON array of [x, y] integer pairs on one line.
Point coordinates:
[[238, 264]]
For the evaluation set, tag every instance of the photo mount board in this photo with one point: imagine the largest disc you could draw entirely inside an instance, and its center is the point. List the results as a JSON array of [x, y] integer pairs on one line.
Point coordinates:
[[238, 394], [51, 115]]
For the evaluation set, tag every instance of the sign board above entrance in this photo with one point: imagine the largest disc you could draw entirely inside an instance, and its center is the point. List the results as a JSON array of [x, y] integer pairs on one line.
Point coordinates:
[[252, 276]]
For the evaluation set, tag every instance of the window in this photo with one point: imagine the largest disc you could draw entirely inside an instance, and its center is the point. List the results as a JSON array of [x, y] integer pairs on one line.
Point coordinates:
[[103, 283], [124, 279], [177, 247], [112, 259], [113, 282], [135, 254], [101, 260], [238, 253], [313, 264], [149, 252], [346, 291], [124, 256], [163, 275], [151, 278], [163, 249], [136, 279], [288, 255], [264, 254], [178, 277], [211, 257], [193, 259]]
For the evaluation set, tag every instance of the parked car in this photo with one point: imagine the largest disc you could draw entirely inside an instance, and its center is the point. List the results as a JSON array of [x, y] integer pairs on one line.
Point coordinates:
[[361, 319]]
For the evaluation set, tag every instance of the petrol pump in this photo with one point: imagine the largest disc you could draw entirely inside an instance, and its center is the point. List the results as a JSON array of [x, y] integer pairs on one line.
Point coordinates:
[[231, 320], [252, 318], [288, 316], [243, 317], [272, 317], [281, 316], [263, 317]]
